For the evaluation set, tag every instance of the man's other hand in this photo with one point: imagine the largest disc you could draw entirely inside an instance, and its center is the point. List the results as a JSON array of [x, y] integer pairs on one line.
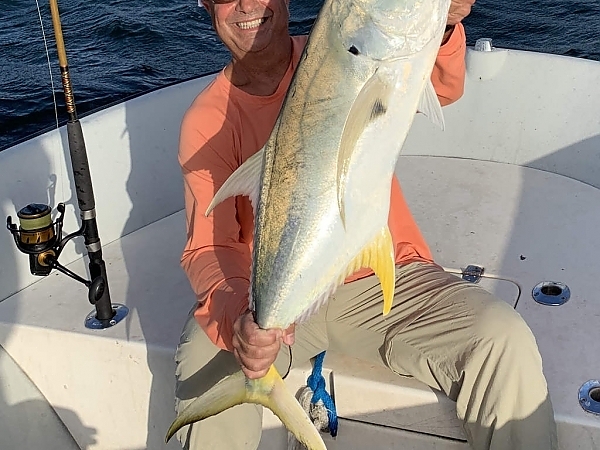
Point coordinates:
[[459, 9]]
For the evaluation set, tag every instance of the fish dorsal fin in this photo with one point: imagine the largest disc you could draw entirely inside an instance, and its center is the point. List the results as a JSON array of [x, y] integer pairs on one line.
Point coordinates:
[[370, 104], [429, 105], [378, 255], [244, 181]]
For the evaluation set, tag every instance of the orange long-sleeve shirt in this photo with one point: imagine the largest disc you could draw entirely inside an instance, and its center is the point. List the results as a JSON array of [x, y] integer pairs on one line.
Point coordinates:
[[223, 127]]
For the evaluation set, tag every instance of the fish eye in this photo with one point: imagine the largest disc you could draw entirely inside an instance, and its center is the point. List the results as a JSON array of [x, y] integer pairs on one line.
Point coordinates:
[[354, 50]]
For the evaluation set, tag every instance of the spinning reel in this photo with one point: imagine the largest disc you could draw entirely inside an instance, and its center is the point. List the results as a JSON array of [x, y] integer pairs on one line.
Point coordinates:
[[41, 239]]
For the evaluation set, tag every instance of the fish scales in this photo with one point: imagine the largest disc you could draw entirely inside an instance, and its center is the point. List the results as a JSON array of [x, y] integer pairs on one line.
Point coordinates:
[[297, 212]]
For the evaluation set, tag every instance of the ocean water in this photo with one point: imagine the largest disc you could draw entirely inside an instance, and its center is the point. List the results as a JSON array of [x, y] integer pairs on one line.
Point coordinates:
[[121, 48]]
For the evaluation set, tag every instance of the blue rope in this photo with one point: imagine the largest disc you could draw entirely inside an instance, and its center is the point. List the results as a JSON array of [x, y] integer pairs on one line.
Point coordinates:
[[316, 383]]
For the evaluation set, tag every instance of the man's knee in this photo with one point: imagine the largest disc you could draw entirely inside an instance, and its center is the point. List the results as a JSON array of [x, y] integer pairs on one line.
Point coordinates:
[[503, 383], [500, 329], [505, 360]]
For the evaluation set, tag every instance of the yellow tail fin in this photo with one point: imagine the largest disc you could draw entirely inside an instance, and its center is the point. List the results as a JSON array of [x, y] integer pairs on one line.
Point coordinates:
[[269, 391]]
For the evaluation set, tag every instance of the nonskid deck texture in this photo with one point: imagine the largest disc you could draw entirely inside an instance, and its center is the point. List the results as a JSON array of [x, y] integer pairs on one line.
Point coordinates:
[[114, 388]]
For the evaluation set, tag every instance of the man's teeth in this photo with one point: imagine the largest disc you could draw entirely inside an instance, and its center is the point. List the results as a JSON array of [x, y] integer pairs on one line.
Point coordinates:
[[251, 24]]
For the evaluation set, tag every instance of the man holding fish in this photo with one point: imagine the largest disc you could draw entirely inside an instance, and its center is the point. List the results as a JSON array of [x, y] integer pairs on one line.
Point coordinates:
[[317, 227]]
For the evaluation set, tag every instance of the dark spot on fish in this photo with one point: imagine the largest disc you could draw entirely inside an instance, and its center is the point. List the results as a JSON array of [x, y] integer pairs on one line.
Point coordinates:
[[354, 50], [378, 109]]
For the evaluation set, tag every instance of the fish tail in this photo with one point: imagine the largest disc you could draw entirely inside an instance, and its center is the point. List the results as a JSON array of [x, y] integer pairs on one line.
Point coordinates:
[[269, 391]]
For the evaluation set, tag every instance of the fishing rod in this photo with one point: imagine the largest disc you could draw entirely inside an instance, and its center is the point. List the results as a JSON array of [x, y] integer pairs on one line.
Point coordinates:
[[42, 239]]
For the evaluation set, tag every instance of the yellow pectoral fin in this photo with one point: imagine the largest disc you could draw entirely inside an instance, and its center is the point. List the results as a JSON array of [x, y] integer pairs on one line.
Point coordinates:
[[379, 257]]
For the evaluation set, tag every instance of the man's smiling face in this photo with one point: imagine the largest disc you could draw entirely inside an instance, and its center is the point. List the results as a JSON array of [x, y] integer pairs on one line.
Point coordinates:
[[249, 26]]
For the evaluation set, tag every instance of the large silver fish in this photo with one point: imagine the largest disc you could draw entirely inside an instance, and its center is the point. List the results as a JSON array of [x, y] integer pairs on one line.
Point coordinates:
[[321, 185]]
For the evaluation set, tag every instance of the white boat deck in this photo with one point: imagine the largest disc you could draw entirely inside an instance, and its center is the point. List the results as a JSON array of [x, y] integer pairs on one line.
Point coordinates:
[[491, 214]]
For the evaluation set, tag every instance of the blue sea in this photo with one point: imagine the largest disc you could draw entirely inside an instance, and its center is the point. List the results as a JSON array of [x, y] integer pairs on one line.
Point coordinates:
[[122, 48]]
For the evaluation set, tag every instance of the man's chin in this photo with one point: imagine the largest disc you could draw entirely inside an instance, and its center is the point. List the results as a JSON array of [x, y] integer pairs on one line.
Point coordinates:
[[260, 42]]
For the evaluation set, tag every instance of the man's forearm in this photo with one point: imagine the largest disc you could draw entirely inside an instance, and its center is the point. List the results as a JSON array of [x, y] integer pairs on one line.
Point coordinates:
[[218, 313], [220, 280]]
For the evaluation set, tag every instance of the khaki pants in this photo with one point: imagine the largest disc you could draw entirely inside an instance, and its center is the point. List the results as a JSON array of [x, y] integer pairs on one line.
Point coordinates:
[[450, 334]]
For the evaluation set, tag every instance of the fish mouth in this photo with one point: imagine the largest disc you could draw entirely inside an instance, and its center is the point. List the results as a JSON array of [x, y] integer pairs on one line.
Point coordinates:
[[250, 24]]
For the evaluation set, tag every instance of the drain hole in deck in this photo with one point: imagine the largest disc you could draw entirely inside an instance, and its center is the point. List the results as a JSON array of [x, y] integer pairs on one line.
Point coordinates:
[[551, 289], [595, 394]]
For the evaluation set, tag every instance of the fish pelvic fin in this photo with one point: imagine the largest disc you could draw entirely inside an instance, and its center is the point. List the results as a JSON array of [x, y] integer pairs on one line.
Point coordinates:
[[429, 106], [244, 181], [269, 391], [378, 255], [370, 104]]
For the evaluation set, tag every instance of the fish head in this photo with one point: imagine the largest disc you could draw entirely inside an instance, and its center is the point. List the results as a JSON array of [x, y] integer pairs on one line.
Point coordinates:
[[386, 30]]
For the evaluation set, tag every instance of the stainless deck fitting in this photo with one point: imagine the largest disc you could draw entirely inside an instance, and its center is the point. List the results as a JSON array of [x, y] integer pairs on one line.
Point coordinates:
[[551, 293], [483, 45], [120, 312], [472, 273]]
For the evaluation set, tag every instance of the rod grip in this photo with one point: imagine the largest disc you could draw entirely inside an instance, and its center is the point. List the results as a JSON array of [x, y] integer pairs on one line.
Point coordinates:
[[81, 169]]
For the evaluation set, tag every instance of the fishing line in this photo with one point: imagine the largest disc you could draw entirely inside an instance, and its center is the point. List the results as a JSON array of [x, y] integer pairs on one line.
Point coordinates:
[[49, 64], [287, 372], [55, 154]]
